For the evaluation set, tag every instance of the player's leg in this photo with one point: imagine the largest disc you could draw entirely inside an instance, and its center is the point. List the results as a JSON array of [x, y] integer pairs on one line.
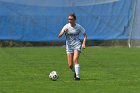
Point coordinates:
[[70, 60], [76, 64], [69, 51]]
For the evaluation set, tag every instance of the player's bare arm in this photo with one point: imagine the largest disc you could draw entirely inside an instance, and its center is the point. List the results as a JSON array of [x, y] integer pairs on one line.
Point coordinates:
[[84, 41], [62, 32]]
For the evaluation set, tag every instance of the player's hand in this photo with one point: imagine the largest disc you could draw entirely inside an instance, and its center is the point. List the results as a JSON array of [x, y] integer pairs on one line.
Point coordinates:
[[66, 30], [83, 46]]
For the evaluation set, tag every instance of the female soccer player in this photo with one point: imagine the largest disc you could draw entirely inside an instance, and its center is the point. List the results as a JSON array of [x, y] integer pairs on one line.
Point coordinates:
[[73, 44]]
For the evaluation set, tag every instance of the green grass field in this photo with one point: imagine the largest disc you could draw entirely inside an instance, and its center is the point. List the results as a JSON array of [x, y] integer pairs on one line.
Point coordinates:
[[103, 70]]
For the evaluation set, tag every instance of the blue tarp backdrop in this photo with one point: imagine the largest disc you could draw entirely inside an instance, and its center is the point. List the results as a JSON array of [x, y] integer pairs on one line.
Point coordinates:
[[43, 23]]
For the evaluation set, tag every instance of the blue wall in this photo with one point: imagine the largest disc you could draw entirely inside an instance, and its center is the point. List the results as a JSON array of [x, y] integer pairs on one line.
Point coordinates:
[[34, 23]]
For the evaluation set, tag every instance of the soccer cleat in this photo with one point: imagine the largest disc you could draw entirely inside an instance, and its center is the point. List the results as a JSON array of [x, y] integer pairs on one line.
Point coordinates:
[[77, 79], [74, 76]]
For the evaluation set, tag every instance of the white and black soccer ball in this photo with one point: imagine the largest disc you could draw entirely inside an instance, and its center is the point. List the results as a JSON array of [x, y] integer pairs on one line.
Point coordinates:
[[53, 75]]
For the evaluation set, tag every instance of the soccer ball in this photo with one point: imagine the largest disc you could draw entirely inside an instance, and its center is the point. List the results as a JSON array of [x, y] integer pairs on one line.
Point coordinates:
[[53, 75]]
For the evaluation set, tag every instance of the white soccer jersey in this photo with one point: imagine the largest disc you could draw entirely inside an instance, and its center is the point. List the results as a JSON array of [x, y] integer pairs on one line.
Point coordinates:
[[72, 36]]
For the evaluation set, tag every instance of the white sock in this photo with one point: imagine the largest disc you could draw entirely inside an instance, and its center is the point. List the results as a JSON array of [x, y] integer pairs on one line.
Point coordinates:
[[77, 70]]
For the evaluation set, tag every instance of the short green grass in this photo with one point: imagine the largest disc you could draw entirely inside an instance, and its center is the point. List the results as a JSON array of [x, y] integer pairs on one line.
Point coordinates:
[[103, 70]]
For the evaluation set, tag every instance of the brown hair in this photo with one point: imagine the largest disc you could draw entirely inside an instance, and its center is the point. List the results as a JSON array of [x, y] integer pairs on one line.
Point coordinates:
[[73, 15]]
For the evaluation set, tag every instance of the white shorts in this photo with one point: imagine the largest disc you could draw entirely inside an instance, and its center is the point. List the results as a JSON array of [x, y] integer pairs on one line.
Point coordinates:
[[72, 48]]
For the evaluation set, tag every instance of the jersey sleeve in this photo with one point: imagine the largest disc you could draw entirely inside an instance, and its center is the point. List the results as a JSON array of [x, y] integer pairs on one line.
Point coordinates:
[[64, 28], [82, 29]]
